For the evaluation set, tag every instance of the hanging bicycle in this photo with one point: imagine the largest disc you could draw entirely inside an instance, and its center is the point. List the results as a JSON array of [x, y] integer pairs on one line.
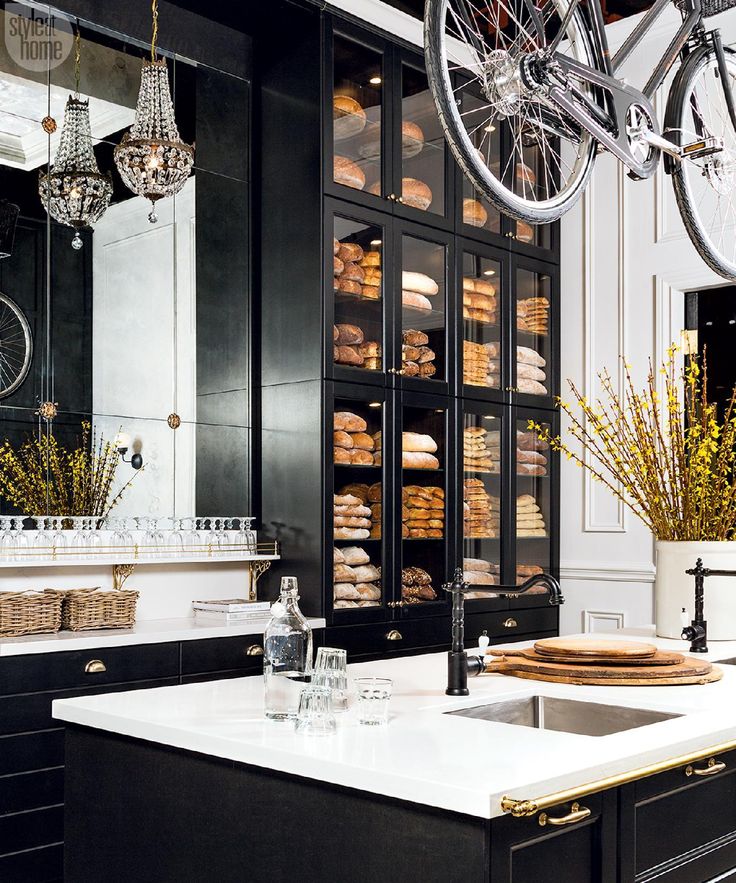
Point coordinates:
[[543, 68]]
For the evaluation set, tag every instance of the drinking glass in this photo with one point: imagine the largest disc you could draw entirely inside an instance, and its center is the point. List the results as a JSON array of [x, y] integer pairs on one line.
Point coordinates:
[[42, 540], [314, 716], [79, 540], [121, 536], [20, 539], [176, 539], [94, 534], [192, 541], [58, 536], [331, 670], [373, 698], [212, 539], [7, 540]]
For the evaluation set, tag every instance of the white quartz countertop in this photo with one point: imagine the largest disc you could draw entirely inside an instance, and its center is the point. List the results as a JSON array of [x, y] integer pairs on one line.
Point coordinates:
[[422, 755]]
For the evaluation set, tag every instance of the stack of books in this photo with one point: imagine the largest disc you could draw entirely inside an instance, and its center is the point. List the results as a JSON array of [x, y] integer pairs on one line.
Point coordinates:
[[232, 611]]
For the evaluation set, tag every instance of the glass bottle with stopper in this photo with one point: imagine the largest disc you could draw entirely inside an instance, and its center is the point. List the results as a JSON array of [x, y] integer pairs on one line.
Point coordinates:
[[287, 653]]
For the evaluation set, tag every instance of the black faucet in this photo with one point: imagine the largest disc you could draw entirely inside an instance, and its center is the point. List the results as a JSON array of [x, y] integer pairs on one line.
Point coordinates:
[[697, 631], [459, 665]]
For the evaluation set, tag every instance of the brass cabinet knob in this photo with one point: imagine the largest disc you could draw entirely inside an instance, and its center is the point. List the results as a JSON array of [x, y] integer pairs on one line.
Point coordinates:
[[394, 635], [254, 650], [399, 199], [510, 623], [392, 197], [712, 769], [95, 666], [577, 814], [397, 370]]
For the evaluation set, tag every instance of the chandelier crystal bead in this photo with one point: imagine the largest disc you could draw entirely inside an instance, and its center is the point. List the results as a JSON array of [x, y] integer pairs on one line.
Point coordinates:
[[74, 191], [152, 159]]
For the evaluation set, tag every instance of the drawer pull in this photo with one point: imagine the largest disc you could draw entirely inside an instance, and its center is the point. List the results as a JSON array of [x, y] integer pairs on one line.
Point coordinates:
[[510, 623], [394, 635], [254, 650], [577, 814], [714, 767], [95, 667]]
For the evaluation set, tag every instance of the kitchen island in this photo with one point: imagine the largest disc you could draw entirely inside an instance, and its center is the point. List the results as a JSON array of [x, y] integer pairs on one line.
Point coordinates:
[[191, 782]]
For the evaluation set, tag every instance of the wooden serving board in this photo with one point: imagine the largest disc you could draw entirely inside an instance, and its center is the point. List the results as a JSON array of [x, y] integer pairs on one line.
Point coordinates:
[[602, 673], [577, 647], [715, 674], [661, 657]]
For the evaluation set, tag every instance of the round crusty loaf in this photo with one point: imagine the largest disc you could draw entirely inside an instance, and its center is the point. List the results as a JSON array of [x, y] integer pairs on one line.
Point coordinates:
[[348, 117], [417, 441], [412, 337], [349, 286], [349, 335], [350, 253], [348, 173], [473, 213], [348, 355], [349, 422], [419, 282], [524, 232], [416, 193], [353, 272], [416, 301], [412, 139]]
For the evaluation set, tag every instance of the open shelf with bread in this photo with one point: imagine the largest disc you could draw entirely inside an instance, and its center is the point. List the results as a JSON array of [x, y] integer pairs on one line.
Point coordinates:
[[391, 370]]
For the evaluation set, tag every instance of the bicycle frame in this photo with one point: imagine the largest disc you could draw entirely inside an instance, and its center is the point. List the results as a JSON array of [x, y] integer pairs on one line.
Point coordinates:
[[609, 125]]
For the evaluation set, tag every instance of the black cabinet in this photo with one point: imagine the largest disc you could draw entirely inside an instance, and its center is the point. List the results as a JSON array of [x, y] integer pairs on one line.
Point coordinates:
[[421, 312]]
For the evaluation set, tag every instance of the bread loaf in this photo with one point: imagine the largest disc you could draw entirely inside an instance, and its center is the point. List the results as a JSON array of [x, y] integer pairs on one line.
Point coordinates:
[[349, 286], [342, 439], [419, 282], [411, 337], [350, 253], [337, 556], [419, 460], [348, 173], [355, 511], [355, 555], [371, 292], [346, 500], [351, 533], [371, 259], [349, 422], [351, 521], [345, 592], [353, 272], [361, 458], [363, 441], [356, 490], [375, 492], [337, 266], [343, 574], [412, 140], [370, 349], [348, 117], [416, 441], [366, 573], [348, 355], [415, 193], [368, 591], [416, 301], [341, 604], [341, 456], [473, 213]]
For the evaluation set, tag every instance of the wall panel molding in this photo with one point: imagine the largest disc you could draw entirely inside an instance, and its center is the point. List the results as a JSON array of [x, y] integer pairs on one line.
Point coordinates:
[[603, 620], [608, 571]]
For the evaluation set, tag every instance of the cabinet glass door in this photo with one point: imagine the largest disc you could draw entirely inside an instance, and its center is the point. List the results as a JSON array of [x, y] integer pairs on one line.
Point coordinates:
[[358, 295], [423, 281], [358, 517], [533, 311], [477, 211], [423, 505], [533, 177], [357, 109], [423, 164], [482, 497], [533, 504], [482, 339]]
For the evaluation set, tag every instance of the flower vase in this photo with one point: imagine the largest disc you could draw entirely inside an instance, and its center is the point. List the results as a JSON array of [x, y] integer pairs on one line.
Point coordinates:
[[674, 589]]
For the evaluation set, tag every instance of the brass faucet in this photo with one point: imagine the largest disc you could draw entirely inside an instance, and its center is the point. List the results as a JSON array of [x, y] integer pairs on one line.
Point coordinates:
[[459, 665]]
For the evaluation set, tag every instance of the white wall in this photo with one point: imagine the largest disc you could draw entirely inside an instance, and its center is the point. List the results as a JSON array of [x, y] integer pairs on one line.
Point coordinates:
[[626, 263]]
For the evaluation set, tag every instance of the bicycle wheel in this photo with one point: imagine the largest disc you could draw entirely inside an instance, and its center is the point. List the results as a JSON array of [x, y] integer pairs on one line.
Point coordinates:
[[16, 346], [490, 46], [705, 187]]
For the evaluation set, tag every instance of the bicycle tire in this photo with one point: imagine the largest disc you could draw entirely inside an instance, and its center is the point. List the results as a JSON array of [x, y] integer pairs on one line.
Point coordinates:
[[461, 146], [25, 329], [678, 112]]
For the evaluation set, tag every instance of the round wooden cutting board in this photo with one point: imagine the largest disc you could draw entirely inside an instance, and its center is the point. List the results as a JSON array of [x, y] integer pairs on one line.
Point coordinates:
[[603, 673], [661, 657], [715, 674], [584, 647]]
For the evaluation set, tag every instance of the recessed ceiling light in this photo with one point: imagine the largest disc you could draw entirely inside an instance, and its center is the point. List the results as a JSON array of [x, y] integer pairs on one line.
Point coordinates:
[[375, 242], [490, 418], [375, 81], [708, 323], [732, 321], [374, 404], [489, 272]]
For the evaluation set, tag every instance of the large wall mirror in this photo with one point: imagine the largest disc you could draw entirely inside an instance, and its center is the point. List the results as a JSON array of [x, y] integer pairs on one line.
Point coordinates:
[[144, 329]]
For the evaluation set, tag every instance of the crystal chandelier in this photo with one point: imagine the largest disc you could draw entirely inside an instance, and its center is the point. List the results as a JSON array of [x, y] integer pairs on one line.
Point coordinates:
[[152, 159], [74, 191]]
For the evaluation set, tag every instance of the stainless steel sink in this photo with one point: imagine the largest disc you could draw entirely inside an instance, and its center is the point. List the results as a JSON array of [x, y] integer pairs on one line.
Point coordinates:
[[565, 715]]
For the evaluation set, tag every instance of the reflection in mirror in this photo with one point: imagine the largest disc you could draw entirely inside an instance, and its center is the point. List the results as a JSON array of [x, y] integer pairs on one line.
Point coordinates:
[[143, 330]]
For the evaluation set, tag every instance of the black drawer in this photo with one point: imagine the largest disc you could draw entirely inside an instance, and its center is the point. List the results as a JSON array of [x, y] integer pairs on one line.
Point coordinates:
[[220, 676], [510, 625], [36, 866], [31, 751], [20, 714], [31, 790], [222, 654], [61, 671], [390, 638], [29, 830]]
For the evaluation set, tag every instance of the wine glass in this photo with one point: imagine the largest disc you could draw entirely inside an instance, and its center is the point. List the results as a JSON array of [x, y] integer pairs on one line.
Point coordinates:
[[58, 537], [79, 539], [20, 539], [121, 536], [43, 541], [94, 534], [192, 540], [212, 539], [7, 540], [176, 540]]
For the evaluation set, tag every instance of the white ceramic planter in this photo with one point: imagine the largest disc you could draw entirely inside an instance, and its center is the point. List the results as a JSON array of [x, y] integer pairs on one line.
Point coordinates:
[[674, 589]]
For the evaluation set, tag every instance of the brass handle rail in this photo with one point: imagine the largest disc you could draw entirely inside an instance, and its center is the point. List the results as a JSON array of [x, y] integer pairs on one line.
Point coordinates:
[[525, 808]]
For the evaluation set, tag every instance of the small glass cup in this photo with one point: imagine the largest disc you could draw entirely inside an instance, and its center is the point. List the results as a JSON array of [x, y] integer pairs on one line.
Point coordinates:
[[373, 698], [315, 717], [331, 670]]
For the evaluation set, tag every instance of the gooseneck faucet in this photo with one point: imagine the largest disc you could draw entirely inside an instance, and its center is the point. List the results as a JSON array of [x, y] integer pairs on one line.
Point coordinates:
[[697, 631], [459, 665]]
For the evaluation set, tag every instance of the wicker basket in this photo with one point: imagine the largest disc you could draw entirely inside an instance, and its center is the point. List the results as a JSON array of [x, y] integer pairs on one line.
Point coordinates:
[[98, 609], [30, 612], [713, 7]]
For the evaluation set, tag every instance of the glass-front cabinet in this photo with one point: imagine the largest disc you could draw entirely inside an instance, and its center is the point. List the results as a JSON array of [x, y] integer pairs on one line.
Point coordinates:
[[481, 284], [535, 310]]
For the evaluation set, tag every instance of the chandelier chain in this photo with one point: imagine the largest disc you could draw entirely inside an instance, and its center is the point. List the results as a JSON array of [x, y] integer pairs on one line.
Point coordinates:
[[154, 35], [77, 61]]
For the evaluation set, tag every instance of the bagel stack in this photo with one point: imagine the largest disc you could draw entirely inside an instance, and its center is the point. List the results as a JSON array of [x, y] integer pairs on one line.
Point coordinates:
[[481, 511], [479, 301], [417, 358], [416, 290], [529, 518], [352, 446], [423, 512], [356, 581], [481, 450]]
